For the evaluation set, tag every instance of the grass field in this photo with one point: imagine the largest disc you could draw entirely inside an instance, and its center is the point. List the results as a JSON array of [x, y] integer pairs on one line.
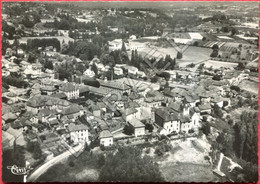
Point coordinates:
[[80, 169], [187, 172], [219, 64], [249, 85]]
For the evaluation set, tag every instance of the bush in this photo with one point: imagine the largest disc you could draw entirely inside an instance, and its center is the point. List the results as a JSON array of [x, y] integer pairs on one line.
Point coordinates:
[[215, 47], [101, 160], [148, 150], [191, 131], [179, 55], [102, 147], [214, 53], [158, 152], [71, 164]]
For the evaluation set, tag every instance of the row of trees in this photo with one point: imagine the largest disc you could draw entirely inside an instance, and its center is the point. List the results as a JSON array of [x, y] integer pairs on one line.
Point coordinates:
[[245, 143], [15, 81], [127, 165], [33, 44]]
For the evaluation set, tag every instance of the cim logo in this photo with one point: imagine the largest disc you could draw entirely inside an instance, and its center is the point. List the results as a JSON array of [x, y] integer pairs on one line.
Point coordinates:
[[19, 170]]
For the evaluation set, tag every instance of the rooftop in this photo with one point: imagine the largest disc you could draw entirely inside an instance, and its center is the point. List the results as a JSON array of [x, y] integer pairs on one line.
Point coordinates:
[[105, 134], [73, 127], [136, 123]]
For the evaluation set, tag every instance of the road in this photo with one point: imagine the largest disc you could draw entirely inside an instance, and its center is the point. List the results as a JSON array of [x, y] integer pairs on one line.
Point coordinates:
[[42, 169]]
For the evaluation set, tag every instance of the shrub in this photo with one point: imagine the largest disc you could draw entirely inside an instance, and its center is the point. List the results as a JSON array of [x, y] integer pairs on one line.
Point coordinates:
[[71, 164], [148, 150]]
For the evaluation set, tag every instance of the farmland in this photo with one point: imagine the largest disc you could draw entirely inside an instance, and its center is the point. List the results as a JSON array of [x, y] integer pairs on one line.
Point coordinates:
[[219, 64]]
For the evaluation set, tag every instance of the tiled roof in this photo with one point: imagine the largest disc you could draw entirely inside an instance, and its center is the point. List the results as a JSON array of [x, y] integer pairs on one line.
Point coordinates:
[[166, 114], [176, 106], [129, 111], [114, 84], [205, 107], [48, 88], [59, 95], [68, 87], [54, 122], [105, 134], [153, 99], [44, 112], [73, 127], [136, 123], [71, 110]]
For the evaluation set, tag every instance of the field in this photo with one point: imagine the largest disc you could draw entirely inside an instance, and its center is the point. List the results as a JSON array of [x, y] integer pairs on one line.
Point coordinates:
[[186, 163], [187, 172], [219, 64], [190, 55], [194, 55], [249, 85], [80, 169]]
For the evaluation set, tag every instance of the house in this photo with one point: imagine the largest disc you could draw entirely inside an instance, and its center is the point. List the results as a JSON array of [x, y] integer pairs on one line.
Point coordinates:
[[48, 90], [129, 113], [218, 100], [98, 109], [44, 114], [153, 101], [73, 112], [78, 133], [118, 71], [114, 86], [205, 108], [167, 120], [106, 138], [137, 127], [70, 90]]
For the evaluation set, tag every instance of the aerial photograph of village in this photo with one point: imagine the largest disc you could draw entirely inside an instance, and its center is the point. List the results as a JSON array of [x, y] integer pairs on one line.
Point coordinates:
[[130, 91]]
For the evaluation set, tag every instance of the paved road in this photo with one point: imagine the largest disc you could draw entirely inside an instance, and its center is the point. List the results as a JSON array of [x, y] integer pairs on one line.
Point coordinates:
[[42, 169]]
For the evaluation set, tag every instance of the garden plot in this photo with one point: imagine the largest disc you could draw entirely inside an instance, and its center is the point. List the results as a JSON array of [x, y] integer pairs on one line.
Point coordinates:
[[211, 43], [219, 64], [186, 163], [249, 85]]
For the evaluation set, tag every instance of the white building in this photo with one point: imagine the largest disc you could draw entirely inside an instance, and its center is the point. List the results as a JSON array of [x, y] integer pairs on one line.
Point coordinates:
[[78, 133], [137, 126], [70, 90], [106, 138]]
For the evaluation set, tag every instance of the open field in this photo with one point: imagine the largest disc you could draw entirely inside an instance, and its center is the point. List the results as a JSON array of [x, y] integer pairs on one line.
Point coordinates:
[[187, 172], [249, 85], [80, 169], [219, 64], [185, 162], [194, 55]]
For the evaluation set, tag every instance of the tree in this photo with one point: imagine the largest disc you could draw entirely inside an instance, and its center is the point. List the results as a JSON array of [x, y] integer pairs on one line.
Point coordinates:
[[214, 53], [128, 130], [123, 49], [217, 111], [101, 160], [206, 129], [215, 47], [196, 43], [240, 66], [94, 68], [48, 64], [179, 55], [233, 31], [130, 166]]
